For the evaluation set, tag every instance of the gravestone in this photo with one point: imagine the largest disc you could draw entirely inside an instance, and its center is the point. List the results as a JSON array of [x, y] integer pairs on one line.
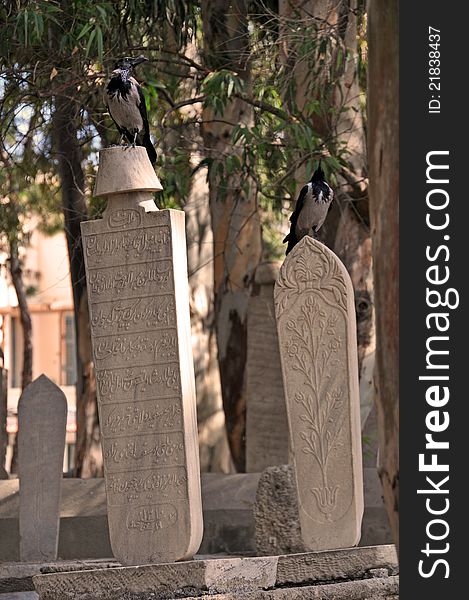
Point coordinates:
[[314, 305], [266, 416], [136, 271], [3, 421], [42, 419], [277, 527]]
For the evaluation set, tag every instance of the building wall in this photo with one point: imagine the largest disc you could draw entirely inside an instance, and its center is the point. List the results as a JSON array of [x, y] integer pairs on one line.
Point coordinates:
[[46, 269]]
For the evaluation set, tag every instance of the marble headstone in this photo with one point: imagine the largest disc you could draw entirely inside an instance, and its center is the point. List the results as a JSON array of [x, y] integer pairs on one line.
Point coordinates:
[[314, 304], [266, 416], [136, 271], [42, 419]]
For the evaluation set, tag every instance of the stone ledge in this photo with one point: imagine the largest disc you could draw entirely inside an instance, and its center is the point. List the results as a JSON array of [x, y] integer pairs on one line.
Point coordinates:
[[18, 577], [368, 589], [232, 578]]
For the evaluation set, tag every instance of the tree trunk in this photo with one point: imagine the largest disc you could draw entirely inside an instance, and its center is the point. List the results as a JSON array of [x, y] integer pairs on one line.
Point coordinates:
[[235, 217], [25, 316], [383, 150], [74, 208], [213, 446], [27, 330]]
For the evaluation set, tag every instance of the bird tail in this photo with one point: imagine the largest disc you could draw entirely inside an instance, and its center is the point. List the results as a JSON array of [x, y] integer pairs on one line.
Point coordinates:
[[292, 241], [150, 148]]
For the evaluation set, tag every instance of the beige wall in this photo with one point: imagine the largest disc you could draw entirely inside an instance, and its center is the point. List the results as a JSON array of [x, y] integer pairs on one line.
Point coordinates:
[[45, 266], [48, 257]]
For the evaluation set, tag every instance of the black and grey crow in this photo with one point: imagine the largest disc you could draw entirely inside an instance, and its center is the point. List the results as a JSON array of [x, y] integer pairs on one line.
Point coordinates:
[[310, 209], [126, 105]]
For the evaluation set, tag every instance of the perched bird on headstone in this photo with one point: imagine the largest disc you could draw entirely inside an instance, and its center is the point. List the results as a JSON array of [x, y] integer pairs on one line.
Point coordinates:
[[126, 105], [310, 210]]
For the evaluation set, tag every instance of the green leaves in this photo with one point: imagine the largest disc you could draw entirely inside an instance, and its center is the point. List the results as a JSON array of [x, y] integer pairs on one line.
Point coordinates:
[[90, 41], [90, 32], [219, 87], [84, 26]]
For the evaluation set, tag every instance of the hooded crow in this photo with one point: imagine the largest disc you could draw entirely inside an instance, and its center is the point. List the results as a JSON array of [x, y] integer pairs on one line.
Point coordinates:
[[126, 105], [310, 210]]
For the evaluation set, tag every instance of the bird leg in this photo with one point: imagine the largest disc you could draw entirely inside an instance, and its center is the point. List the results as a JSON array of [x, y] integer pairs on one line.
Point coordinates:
[[135, 139]]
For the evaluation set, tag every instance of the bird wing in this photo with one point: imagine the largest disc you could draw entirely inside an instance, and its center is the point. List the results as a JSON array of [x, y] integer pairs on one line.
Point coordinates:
[[146, 141], [298, 206], [146, 128], [291, 237], [143, 110]]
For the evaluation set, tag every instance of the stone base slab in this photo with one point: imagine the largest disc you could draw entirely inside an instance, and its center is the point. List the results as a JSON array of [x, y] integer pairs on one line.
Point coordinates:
[[18, 577], [368, 589], [371, 569]]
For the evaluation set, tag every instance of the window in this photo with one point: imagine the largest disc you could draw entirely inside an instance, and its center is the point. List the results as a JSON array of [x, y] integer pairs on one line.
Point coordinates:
[[15, 352], [69, 361]]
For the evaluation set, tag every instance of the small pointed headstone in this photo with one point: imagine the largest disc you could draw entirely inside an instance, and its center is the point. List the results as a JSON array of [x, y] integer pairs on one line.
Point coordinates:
[[42, 419], [314, 304]]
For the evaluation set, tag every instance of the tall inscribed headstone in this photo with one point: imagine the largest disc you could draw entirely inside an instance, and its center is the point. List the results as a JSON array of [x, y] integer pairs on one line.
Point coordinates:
[[136, 269], [314, 305]]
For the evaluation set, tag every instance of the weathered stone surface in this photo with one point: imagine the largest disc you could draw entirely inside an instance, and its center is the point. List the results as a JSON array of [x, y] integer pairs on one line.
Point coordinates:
[[334, 565], [163, 580], [42, 418], [125, 169], [314, 304], [136, 268], [20, 596], [377, 589], [3, 421], [18, 577], [233, 578], [266, 417], [294, 569], [277, 527]]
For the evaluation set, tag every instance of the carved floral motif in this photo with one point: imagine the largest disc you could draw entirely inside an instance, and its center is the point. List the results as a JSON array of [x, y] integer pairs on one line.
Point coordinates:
[[312, 284], [310, 270]]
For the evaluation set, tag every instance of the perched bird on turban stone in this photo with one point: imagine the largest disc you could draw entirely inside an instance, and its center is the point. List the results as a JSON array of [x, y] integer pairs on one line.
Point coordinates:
[[310, 210], [126, 105]]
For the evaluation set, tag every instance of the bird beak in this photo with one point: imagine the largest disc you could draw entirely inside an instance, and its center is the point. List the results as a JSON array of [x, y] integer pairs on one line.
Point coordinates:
[[138, 60]]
